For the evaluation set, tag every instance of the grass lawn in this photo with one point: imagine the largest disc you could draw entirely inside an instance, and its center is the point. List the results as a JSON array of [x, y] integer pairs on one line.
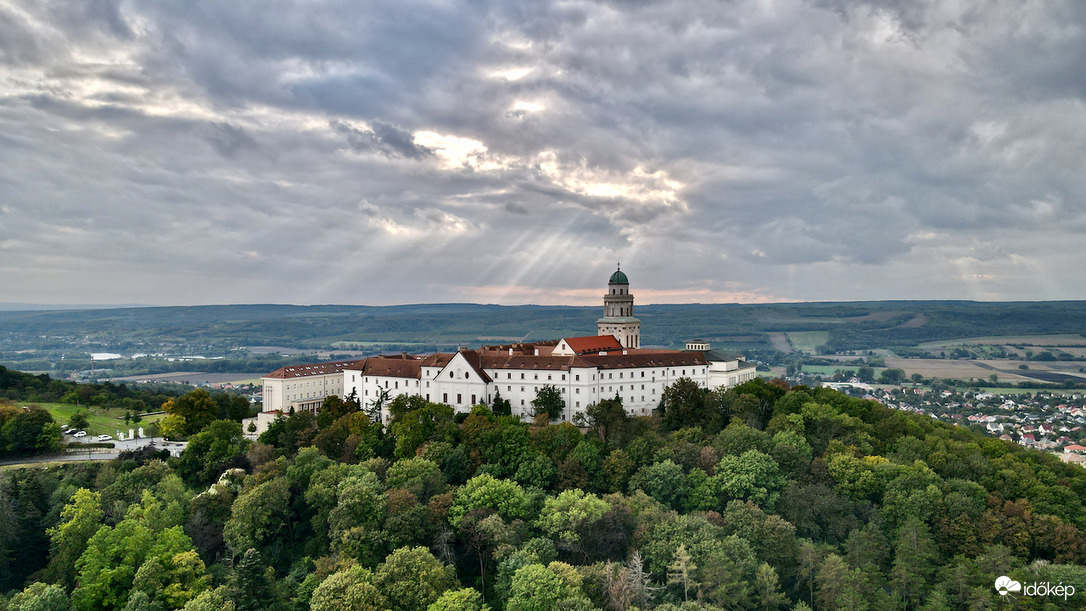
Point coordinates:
[[100, 420]]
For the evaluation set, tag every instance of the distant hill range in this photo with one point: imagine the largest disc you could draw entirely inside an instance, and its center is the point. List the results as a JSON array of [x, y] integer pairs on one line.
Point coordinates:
[[833, 326]]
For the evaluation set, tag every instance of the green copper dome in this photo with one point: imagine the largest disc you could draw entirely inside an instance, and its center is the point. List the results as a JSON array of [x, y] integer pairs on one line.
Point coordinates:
[[618, 278]]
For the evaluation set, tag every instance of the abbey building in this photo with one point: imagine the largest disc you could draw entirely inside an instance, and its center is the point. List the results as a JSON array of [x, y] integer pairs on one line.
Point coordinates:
[[583, 369]]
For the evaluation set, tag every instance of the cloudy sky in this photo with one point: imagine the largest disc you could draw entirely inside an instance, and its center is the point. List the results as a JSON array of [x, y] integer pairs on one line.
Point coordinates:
[[273, 151]]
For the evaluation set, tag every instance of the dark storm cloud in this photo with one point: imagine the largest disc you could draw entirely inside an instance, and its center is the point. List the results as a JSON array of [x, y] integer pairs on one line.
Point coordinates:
[[228, 139], [803, 150], [384, 138]]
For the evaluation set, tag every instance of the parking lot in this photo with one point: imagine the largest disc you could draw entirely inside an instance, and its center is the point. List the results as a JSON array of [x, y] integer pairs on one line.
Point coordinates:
[[175, 447]]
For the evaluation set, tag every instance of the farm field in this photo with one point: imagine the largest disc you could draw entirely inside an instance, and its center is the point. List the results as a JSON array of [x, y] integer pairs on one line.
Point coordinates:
[[1005, 370], [1065, 339], [195, 377], [808, 341], [780, 342]]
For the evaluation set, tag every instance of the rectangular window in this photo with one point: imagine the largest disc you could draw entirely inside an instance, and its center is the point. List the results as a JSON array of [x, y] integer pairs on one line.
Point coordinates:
[[444, 397], [473, 399], [458, 399], [577, 377]]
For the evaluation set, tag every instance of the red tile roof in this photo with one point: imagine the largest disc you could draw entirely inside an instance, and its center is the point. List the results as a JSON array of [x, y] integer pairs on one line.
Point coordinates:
[[315, 369], [407, 366], [593, 344], [475, 361], [392, 367], [522, 361], [644, 358]]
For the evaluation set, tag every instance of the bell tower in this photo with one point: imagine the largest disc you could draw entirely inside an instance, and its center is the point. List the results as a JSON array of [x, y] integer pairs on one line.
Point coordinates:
[[618, 318]]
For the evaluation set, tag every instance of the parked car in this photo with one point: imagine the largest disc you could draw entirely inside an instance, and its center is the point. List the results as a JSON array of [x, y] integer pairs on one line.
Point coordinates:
[[80, 434], [105, 438], [67, 430]]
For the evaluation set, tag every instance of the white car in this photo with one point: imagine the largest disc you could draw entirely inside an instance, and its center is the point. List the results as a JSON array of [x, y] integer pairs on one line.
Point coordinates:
[[80, 434], [105, 438]]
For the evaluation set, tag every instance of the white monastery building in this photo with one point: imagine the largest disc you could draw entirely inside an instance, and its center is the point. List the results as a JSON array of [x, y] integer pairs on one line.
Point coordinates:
[[583, 369]]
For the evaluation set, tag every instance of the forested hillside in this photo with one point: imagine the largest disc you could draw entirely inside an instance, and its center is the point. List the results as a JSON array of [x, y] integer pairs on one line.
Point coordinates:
[[753, 498]]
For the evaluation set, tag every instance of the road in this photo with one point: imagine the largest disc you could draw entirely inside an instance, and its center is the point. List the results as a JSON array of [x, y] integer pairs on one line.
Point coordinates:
[[82, 455]]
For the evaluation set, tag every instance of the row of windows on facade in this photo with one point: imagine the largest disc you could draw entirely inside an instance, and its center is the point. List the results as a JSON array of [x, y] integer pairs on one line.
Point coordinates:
[[309, 384], [576, 377]]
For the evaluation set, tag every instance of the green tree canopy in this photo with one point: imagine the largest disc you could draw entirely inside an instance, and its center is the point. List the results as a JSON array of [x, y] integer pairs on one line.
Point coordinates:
[[548, 400]]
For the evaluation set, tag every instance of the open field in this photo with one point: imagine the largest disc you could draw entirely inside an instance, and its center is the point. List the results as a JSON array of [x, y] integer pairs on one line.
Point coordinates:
[[101, 421], [193, 377], [807, 341], [780, 342], [1005, 370], [1064, 339]]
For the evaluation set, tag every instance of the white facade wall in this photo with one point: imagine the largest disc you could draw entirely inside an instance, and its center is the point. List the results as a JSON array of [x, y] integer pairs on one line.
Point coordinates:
[[304, 392], [368, 388], [519, 387], [639, 387], [730, 373], [459, 385]]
